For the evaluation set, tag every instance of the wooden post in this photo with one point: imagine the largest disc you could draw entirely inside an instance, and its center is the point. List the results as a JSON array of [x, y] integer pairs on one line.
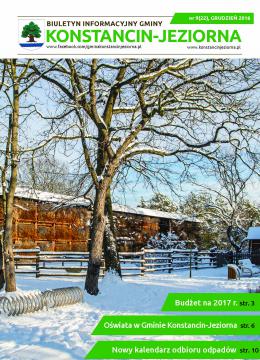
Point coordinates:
[[172, 255], [190, 262], [37, 262], [142, 256], [196, 259], [170, 262]]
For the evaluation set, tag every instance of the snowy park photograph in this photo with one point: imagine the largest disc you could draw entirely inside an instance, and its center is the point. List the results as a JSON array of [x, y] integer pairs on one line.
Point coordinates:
[[122, 180]]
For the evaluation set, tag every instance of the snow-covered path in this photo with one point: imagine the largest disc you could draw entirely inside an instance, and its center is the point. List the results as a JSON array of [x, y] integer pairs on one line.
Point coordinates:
[[64, 333]]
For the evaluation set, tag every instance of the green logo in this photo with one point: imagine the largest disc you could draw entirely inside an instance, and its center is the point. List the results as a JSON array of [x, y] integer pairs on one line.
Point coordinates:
[[31, 31], [30, 34]]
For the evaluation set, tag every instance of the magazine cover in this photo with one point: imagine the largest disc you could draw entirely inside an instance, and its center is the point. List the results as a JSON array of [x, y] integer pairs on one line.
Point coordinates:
[[129, 168]]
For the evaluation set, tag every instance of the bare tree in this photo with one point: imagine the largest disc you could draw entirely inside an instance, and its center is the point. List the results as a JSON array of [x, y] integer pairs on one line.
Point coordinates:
[[126, 111], [233, 181], [17, 79], [47, 173], [226, 206], [12, 91]]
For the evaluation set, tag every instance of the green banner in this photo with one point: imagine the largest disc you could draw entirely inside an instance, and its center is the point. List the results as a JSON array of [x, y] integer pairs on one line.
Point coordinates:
[[177, 325], [213, 18], [174, 350], [212, 302]]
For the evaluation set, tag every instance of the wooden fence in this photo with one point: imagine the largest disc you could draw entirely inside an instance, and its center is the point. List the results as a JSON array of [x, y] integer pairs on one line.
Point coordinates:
[[44, 263]]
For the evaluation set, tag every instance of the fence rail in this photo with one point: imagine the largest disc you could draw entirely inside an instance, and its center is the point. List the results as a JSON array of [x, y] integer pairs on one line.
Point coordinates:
[[46, 263]]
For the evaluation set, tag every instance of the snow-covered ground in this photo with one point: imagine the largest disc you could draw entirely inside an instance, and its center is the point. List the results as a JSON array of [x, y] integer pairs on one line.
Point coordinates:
[[64, 333]]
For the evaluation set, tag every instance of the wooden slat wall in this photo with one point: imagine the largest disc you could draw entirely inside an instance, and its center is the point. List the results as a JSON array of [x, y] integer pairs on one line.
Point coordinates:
[[37, 224]]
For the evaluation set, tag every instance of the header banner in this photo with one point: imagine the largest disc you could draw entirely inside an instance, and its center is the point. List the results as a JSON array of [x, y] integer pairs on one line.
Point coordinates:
[[180, 34]]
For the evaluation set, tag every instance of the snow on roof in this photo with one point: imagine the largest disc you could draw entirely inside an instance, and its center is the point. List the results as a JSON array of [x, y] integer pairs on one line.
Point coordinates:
[[152, 213], [32, 194], [253, 233], [66, 200]]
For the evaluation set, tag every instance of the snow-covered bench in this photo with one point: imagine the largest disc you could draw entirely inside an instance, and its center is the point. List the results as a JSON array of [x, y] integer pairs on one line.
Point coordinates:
[[248, 268], [234, 272]]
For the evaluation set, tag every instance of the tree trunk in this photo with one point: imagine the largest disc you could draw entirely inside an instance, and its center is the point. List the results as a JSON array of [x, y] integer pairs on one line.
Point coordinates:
[[112, 262], [2, 278], [8, 223], [4, 199], [233, 241], [8, 253], [31, 38], [96, 246]]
